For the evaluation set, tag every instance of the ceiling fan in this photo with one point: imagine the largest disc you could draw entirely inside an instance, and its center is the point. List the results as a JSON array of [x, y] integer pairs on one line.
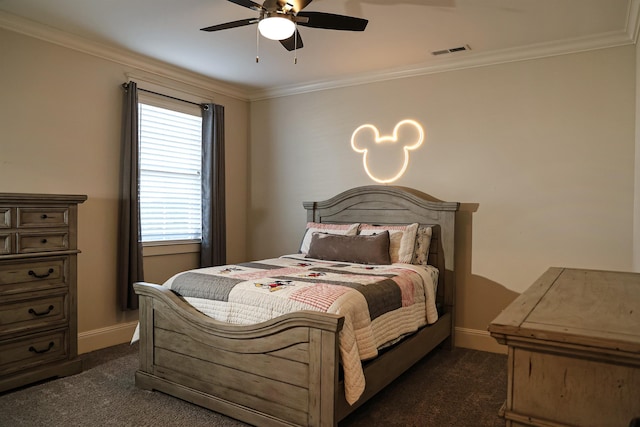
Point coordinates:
[[278, 20]]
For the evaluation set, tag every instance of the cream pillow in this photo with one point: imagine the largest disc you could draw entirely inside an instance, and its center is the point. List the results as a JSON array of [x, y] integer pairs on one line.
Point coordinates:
[[402, 239], [423, 243], [313, 227]]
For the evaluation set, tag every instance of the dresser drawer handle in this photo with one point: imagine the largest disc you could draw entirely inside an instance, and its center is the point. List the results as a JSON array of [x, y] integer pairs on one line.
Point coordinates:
[[40, 276], [44, 313], [33, 349], [44, 216], [43, 241]]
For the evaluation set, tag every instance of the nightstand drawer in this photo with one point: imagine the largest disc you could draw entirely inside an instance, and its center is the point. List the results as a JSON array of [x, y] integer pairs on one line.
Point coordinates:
[[32, 350], [29, 315], [33, 274], [42, 242], [43, 217]]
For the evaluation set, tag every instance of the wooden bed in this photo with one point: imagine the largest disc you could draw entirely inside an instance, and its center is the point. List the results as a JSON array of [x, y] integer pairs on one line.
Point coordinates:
[[285, 371]]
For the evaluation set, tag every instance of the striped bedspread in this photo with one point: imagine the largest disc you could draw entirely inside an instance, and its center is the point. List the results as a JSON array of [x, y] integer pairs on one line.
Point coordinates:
[[380, 303]]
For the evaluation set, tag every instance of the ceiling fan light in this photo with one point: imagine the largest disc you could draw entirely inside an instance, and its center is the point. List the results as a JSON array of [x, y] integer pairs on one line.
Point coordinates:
[[276, 28]]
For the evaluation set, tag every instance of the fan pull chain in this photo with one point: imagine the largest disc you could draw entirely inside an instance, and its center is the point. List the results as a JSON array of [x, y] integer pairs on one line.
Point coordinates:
[[295, 45], [257, 45]]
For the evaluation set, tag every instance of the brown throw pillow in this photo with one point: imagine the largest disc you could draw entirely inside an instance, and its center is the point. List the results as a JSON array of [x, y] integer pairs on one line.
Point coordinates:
[[373, 249]]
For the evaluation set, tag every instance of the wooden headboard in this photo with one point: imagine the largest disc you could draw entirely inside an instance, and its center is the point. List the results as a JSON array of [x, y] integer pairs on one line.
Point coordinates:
[[379, 204]]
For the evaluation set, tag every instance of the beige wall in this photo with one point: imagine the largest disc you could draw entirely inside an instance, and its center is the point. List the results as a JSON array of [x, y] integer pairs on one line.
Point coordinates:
[[60, 133], [540, 153]]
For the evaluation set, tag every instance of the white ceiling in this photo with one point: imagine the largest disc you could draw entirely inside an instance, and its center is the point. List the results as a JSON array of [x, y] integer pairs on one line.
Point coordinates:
[[398, 40]]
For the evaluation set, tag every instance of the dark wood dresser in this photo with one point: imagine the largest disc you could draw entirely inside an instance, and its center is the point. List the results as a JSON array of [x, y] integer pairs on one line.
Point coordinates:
[[38, 322], [574, 350]]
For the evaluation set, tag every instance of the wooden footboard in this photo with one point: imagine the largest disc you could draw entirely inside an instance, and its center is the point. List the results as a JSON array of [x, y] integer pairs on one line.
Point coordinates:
[[278, 373]]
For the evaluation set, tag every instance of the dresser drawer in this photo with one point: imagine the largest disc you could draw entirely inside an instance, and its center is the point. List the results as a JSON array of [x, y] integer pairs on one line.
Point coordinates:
[[5, 217], [34, 313], [43, 217], [33, 350], [27, 242], [6, 243], [33, 274]]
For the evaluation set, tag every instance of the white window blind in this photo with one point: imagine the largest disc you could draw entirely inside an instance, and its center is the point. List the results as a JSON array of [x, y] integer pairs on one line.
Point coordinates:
[[170, 184]]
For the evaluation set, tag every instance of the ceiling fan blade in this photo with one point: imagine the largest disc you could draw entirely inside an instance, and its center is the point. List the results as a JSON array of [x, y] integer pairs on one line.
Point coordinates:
[[291, 43], [330, 21], [298, 5], [234, 24], [248, 3]]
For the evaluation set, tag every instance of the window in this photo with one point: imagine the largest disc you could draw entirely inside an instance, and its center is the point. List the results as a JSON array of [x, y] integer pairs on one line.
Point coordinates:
[[170, 163]]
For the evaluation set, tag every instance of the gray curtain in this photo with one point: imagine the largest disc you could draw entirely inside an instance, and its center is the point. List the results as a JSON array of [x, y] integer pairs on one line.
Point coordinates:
[[213, 249], [129, 266]]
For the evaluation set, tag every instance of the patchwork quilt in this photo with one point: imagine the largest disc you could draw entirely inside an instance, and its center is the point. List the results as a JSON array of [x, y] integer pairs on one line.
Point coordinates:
[[380, 303]]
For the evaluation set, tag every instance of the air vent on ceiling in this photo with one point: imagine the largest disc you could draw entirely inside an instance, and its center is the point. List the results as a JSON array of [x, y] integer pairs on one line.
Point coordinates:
[[451, 50]]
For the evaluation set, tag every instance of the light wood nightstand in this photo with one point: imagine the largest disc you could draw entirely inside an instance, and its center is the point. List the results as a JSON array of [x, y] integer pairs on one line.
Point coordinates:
[[574, 350]]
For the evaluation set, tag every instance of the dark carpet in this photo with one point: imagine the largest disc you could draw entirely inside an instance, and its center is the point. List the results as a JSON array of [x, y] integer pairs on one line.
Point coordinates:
[[447, 388]]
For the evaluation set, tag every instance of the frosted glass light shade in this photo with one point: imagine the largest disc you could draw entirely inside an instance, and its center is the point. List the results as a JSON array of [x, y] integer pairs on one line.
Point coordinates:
[[276, 28]]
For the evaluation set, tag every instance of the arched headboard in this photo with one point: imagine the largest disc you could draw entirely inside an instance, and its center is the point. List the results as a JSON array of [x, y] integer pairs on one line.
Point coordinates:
[[381, 204]]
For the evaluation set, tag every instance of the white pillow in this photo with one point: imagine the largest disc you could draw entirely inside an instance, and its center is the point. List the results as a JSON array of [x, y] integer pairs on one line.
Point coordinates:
[[402, 239], [341, 229]]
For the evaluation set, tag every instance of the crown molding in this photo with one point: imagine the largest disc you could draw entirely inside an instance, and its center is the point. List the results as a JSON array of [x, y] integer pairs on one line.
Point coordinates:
[[460, 61], [147, 65], [471, 59]]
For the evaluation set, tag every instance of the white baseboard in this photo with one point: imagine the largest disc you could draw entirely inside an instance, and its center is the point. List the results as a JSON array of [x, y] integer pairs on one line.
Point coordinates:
[[478, 340], [105, 337]]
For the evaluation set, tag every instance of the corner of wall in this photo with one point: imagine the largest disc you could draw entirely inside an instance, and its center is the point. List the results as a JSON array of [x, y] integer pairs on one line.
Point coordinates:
[[636, 188], [476, 339], [105, 337]]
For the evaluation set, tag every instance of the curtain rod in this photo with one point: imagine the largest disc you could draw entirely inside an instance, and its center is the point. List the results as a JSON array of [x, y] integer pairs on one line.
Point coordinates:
[[205, 106]]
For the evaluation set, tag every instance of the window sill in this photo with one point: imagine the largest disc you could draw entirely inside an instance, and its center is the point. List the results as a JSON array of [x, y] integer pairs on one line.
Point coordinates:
[[170, 248]]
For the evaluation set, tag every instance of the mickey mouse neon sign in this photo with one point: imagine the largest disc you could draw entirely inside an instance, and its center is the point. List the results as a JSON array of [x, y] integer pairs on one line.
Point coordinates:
[[361, 142]]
